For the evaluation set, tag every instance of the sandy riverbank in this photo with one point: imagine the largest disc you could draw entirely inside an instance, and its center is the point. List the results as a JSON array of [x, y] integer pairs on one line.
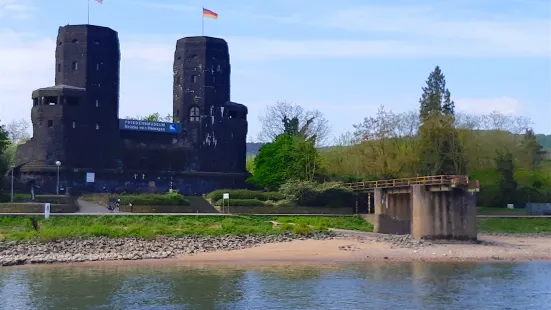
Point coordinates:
[[345, 247], [374, 247]]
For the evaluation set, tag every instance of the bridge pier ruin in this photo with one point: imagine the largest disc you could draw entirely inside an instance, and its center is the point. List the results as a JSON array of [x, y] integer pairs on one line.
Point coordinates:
[[440, 207]]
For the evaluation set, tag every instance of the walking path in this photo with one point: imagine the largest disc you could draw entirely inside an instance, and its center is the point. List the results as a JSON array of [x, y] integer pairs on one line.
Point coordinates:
[[90, 208]]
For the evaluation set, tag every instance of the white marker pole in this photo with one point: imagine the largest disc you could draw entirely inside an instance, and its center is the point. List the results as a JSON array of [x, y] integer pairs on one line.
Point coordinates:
[[46, 210]]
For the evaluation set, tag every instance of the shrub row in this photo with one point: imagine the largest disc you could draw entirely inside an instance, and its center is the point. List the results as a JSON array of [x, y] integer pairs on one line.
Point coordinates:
[[168, 199], [330, 194], [254, 203], [53, 199], [245, 194]]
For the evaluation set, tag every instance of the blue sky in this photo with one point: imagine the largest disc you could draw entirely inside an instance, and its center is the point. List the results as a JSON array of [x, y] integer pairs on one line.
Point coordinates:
[[345, 58]]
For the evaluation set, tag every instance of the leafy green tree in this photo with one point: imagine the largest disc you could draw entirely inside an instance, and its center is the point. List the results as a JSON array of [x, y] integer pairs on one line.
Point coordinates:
[[507, 184], [272, 165], [4, 143], [533, 151], [287, 158], [154, 117]]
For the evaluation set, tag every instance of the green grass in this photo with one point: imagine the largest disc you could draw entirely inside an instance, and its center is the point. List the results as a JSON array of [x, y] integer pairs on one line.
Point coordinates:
[[59, 227], [514, 225], [340, 222]]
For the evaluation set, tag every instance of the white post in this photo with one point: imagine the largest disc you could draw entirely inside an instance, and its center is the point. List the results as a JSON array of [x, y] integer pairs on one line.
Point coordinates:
[[225, 197], [46, 210], [57, 163]]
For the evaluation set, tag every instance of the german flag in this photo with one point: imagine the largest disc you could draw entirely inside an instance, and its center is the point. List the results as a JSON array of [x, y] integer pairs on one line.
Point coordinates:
[[209, 14]]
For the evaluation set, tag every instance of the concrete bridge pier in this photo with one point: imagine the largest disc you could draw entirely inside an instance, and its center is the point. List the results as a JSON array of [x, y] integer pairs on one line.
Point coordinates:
[[425, 211], [443, 214], [392, 211]]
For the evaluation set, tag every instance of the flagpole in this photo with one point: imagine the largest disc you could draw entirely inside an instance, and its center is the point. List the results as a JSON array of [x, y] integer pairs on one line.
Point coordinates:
[[88, 12], [202, 23]]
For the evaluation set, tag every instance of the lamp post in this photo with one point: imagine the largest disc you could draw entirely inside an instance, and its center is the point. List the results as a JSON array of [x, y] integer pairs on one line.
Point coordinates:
[[57, 163], [12, 167]]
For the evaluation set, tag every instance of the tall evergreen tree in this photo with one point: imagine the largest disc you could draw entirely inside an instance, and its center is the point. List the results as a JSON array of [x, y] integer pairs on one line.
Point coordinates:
[[533, 150], [436, 97], [442, 152]]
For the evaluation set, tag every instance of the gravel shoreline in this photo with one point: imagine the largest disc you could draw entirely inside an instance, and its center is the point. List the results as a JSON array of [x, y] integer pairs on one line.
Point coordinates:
[[111, 249]]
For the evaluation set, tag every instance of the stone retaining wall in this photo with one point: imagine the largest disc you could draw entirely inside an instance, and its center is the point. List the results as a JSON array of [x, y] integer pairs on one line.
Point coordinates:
[[160, 209], [288, 210], [33, 207]]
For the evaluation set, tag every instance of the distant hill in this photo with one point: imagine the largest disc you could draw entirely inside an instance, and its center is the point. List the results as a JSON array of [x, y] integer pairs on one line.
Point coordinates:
[[253, 147], [544, 140]]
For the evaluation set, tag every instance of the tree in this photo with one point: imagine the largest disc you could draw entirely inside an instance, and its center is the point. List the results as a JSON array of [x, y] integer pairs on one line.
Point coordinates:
[[441, 148], [310, 123], [533, 151], [507, 183], [18, 133], [271, 165], [154, 117], [436, 97], [4, 142], [286, 158]]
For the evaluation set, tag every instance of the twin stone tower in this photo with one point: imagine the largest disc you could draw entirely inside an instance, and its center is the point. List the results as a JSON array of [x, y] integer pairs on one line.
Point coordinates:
[[78, 134]]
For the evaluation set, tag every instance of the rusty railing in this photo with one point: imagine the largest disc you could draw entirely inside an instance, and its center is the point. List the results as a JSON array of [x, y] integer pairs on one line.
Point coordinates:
[[451, 180]]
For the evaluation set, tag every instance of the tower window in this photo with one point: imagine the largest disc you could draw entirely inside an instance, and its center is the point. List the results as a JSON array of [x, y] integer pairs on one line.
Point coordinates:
[[97, 67], [194, 78], [177, 80], [75, 40], [75, 65], [97, 103], [177, 113], [58, 67], [74, 124], [218, 68], [179, 57], [99, 85], [97, 42], [50, 123], [59, 43], [97, 126], [194, 114]]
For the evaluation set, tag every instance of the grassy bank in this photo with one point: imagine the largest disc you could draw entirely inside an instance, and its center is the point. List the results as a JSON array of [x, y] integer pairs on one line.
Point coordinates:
[[58, 227], [499, 211], [514, 225]]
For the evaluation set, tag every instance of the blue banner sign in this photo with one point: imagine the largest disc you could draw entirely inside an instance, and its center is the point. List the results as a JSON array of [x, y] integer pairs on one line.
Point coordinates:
[[136, 125]]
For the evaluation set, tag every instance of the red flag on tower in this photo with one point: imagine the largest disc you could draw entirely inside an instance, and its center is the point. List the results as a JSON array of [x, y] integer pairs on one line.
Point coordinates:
[[100, 1]]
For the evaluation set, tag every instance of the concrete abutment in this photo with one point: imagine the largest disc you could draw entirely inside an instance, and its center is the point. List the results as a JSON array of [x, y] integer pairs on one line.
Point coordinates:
[[426, 212]]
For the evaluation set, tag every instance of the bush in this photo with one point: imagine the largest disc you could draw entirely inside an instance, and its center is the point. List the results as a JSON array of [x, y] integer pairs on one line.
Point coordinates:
[[243, 203], [168, 199], [306, 193], [244, 194]]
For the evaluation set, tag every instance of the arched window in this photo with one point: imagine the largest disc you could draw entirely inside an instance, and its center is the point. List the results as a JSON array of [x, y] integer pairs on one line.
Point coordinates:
[[194, 114]]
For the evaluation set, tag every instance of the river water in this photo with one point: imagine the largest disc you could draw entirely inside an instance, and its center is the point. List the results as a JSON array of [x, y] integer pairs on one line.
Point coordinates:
[[292, 286]]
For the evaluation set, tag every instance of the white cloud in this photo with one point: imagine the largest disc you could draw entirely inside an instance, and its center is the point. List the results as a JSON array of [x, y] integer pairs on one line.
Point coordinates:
[[440, 29], [481, 106], [16, 9], [26, 63]]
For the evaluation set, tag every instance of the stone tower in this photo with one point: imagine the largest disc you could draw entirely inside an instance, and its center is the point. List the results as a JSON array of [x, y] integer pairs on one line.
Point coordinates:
[[200, 97], [88, 57]]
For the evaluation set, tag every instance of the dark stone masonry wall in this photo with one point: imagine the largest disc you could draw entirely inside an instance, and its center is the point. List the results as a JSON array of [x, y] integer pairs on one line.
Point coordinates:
[[76, 122]]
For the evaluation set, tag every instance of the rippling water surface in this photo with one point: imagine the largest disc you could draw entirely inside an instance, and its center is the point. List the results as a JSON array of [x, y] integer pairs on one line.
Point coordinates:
[[343, 286]]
